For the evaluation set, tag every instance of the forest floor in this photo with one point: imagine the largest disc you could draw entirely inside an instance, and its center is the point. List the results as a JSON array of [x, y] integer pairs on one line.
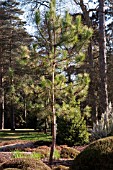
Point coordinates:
[[10, 144], [8, 148]]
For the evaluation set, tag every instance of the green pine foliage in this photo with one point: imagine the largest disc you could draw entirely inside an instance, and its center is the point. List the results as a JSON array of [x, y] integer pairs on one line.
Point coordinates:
[[71, 126], [62, 42], [67, 38], [71, 123]]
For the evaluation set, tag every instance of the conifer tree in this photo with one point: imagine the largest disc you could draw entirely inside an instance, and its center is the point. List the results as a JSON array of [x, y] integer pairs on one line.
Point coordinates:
[[96, 15], [61, 42], [12, 37]]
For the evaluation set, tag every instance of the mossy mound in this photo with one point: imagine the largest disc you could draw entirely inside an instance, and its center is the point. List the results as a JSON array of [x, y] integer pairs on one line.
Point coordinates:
[[97, 156], [68, 152], [24, 164]]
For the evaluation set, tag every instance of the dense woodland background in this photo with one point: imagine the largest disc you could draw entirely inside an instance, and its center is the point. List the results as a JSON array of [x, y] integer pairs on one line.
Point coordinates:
[[58, 71]]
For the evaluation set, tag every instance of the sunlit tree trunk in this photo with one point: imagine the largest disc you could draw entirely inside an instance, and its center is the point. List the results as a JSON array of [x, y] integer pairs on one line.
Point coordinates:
[[53, 117], [92, 96], [53, 92], [102, 59]]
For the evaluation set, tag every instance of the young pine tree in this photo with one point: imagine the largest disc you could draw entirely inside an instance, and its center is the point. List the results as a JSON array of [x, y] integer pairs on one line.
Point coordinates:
[[61, 42]]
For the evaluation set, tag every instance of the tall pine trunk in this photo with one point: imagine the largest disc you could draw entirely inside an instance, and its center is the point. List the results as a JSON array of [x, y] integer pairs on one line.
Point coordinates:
[[2, 104], [3, 109], [92, 96], [53, 51], [25, 109], [53, 117], [1, 92], [12, 116], [102, 59], [11, 84]]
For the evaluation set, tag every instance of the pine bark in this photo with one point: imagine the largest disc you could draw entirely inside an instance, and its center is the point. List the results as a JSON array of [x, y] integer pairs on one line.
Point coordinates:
[[53, 49], [102, 59], [1, 90]]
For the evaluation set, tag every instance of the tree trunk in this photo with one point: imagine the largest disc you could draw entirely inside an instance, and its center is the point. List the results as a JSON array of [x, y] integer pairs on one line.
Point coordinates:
[[25, 109], [2, 109], [92, 96], [102, 59], [12, 116], [45, 128], [53, 50], [53, 117], [2, 93]]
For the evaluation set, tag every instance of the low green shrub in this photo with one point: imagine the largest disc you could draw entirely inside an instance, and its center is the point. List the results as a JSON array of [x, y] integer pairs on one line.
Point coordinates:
[[71, 127], [97, 156], [68, 152], [24, 164], [18, 154], [56, 154]]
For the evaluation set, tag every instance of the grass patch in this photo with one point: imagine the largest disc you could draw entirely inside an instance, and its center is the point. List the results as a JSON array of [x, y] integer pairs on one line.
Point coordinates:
[[36, 136], [19, 154], [36, 154], [24, 136], [56, 154]]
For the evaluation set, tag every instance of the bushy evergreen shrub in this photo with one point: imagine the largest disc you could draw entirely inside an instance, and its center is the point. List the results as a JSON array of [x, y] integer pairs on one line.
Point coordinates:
[[71, 128]]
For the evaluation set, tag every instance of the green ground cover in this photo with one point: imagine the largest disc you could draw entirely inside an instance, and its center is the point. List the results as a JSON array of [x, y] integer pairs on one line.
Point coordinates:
[[24, 135]]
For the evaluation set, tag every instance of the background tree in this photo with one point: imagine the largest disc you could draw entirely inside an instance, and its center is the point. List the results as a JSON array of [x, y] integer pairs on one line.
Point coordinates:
[[11, 39], [95, 62]]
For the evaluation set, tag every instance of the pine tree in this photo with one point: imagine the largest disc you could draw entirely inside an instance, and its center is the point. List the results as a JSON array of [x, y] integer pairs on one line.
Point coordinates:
[[97, 62], [12, 37], [91, 63], [60, 42]]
